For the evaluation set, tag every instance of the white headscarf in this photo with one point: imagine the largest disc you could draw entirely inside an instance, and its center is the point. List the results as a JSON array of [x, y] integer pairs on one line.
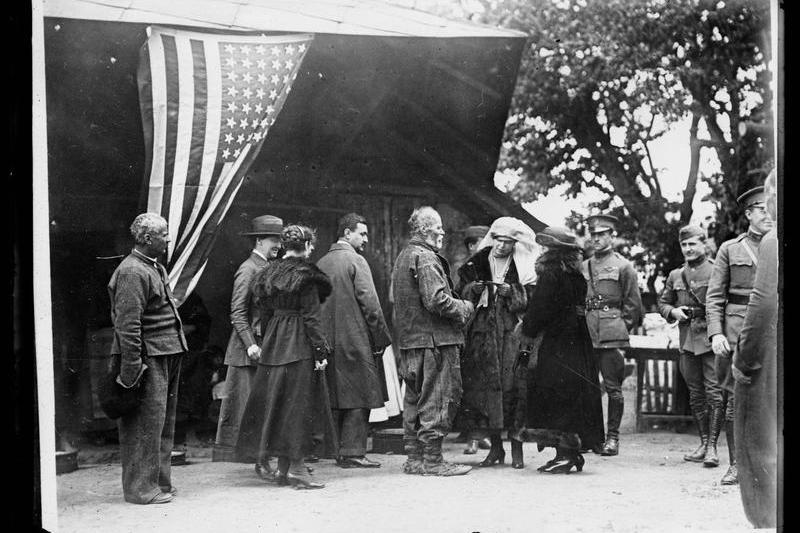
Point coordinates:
[[526, 251]]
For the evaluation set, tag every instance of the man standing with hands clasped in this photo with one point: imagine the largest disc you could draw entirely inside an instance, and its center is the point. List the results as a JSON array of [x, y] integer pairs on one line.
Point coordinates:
[[356, 329], [613, 306], [726, 302], [149, 342], [244, 346]]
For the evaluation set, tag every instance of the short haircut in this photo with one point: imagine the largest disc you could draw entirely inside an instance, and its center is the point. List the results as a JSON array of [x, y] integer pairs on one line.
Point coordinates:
[[144, 224], [422, 220], [469, 241], [295, 237], [349, 221]]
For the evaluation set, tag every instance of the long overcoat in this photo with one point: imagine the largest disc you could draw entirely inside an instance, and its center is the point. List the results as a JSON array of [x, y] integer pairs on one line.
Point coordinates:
[[756, 424], [490, 352], [563, 390], [356, 329]]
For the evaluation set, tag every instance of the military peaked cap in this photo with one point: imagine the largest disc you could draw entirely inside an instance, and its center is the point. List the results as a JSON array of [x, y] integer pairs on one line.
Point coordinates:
[[687, 232], [598, 223], [752, 197]]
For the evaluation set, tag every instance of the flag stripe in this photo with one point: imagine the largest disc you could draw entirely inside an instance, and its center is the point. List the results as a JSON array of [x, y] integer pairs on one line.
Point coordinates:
[[211, 142], [158, 78], [183, 139], [173, 104]]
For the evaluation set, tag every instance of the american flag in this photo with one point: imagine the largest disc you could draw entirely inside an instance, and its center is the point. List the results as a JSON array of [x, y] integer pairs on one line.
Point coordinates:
[[207, 102]]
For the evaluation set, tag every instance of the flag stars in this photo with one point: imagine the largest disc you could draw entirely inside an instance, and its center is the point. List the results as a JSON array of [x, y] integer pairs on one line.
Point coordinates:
[[232, 91], [289, 64], [231, 122], [286, 79], [301, 48], [240, 140], [231, 62], [276, 65], [226, 153], [257, 136], [258, 109], [276, 51], [247, 77], [261, 64], [275, 79], [273, 94], [254, 123], [260, 50], [237, 152], [247, 92], [260, 93], [228, 138], [229, 48], [243, 123], [246, 63], [246, 107], [232, 107], [290, 49], [270, 109], [232, 76], [245, 50], [262, 78]]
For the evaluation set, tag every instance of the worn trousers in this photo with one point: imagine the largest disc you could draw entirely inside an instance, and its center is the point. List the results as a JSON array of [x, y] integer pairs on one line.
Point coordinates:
[[433, 391], [701, 380], [238, 384], [353, 426], [146, 435]]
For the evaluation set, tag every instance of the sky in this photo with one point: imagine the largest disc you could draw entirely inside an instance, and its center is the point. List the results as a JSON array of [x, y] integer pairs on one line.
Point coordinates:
[[671, 157]]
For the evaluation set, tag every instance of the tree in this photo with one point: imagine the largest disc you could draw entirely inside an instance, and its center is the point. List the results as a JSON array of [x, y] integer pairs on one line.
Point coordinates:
[[600, 80]]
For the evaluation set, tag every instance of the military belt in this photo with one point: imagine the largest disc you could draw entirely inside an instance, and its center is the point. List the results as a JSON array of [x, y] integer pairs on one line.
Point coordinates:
[[594, 306], [738, 299]]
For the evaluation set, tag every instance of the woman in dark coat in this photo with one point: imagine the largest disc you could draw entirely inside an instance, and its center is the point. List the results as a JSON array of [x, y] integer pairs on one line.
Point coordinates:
[[564, 409], [282, 401], [497, 279]]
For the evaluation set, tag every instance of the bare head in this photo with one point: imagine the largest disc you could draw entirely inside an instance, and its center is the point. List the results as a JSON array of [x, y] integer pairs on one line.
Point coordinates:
[[150, 234], [353, 229], [426, 224], [298, 240]]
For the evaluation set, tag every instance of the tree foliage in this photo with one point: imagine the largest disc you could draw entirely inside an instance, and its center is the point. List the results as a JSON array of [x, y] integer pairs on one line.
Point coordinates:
[[600, 80]]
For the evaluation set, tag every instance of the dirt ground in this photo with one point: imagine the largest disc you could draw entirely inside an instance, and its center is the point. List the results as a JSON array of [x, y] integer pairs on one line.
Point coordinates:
[[647, 488]]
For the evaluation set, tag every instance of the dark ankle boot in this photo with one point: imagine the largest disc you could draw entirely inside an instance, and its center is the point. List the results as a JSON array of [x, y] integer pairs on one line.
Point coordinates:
[[611, 446], [497, 455], [715, 426], [697, 456], [731, 477], [516, 454]]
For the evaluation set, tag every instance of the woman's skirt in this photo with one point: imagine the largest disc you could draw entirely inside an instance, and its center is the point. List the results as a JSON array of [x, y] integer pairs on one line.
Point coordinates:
[[278, 418]]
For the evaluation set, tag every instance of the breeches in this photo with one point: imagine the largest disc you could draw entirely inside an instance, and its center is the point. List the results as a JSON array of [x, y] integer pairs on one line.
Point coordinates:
[[612, 368], [701, 380]]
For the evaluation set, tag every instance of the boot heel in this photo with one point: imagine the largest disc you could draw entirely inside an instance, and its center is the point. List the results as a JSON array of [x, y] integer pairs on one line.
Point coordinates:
[[580, 461]]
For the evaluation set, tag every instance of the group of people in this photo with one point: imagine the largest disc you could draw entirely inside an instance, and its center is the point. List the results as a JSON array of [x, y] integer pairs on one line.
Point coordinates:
[[516, 346]]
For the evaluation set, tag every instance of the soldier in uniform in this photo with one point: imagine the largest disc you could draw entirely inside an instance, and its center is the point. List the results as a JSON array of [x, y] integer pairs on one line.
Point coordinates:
[[683, 300], [726, 302], [613, 306]]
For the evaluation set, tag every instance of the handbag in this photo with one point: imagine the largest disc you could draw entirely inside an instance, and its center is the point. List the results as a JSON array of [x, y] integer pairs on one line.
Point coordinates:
[[115, 400]]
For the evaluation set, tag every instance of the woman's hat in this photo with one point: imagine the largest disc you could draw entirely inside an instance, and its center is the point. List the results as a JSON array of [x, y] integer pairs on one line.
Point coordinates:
[[556, 237], [265, 225]]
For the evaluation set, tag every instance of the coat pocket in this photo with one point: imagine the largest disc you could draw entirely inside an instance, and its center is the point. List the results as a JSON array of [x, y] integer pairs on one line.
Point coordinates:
[[611, 327]]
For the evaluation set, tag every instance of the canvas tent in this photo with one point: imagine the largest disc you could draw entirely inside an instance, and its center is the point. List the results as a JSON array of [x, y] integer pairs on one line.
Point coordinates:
[[392, 108]]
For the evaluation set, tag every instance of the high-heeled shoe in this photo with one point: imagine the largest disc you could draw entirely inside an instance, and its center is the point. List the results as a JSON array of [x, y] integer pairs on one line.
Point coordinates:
[[496, 456], [550, 463], [302, 482], [565, 465], [516, 455], [472, 447]]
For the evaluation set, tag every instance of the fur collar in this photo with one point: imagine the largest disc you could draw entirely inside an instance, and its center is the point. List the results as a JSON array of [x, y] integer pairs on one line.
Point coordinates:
[[291, 275], [553, 261]]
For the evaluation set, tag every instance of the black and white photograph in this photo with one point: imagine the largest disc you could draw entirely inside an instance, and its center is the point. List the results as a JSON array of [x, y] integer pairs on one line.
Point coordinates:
[[453, 266]]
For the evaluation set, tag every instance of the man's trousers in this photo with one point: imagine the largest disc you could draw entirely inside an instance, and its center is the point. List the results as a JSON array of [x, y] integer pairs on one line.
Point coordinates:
[[238, 383], [146, 435]]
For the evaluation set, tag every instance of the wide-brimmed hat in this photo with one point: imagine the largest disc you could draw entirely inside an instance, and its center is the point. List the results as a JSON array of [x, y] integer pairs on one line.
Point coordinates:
[[264, 225], [475, 233], [557, 237]]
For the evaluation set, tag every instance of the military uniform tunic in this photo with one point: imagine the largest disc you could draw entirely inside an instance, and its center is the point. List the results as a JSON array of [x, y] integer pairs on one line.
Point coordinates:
[[693, 333], [728, 292]]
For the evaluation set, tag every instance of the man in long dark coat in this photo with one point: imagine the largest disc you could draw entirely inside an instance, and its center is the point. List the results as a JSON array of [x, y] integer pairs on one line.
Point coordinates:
[[356, 329], [244, 346], [755, 369]]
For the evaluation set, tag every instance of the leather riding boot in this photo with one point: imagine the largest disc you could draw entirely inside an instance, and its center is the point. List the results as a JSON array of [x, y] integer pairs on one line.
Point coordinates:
[[435, 465], [697, 456], [413, 464], [731, 477], [715, 426], [611, 446]]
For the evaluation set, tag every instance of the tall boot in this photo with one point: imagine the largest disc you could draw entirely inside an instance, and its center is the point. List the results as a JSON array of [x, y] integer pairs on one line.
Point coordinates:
[[435, 465], [496, 453], [715, 426], [697, 456], [413, 464], [731, 477], [615, 408], [516, 454]]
